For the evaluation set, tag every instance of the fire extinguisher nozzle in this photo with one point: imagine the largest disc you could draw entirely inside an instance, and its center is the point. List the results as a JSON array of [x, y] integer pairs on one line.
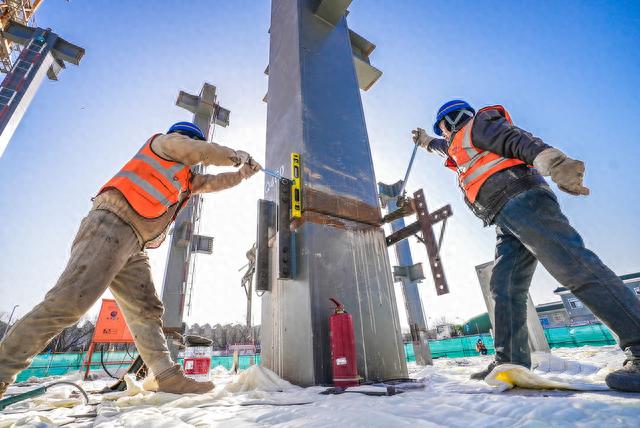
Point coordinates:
[[339, 309]]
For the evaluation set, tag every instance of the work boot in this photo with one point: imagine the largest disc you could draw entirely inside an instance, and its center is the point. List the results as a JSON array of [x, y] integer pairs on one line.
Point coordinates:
[[174, 381], [627, 378], [484, 373], [3, 388]]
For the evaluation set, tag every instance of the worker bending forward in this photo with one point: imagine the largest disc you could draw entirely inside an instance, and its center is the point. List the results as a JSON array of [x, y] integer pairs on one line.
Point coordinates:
[[493, 159], [131, 212]]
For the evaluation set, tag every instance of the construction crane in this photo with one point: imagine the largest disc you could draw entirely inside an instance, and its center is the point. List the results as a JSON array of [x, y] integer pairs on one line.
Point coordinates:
[[22, 12], [28, 54]]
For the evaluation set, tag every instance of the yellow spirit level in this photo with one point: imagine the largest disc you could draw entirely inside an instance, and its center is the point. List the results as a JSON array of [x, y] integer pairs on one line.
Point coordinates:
[[296, 187]]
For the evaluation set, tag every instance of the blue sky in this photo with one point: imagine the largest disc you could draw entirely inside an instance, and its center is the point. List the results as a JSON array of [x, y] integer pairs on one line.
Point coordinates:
[[567, 71]]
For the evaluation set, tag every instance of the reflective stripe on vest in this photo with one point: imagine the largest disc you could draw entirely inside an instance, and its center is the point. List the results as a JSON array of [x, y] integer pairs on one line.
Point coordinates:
[[169, 174], [151, 184], [475, 166], [135, 178]]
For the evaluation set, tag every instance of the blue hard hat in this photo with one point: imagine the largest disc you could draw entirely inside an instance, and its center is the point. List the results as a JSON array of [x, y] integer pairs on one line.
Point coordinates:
[[450, 107], [189, 129]]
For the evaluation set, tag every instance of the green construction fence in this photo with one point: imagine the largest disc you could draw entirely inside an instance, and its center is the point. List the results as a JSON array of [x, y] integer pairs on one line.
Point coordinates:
[[572, 337]]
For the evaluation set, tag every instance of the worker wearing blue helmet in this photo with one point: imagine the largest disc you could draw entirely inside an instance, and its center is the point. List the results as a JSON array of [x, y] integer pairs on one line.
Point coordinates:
[[189, 129], [500, 170], [130, 214]]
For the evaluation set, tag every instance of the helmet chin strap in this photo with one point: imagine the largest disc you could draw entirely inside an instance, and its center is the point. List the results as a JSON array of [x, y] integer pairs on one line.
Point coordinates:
[[454, 123]]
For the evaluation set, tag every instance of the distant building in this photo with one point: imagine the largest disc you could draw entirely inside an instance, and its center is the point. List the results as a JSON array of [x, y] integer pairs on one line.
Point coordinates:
[[477, 325], [444, 331], [242, 348], [579, 314], [552, 315]]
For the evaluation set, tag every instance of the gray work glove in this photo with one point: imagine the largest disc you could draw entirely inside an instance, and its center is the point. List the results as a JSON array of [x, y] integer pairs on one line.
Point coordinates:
[[250, 168], [567, 173], [240, 157], [421, 138]]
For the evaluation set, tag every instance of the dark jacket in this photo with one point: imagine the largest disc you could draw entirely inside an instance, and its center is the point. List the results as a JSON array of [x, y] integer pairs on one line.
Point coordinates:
[[492, 132]]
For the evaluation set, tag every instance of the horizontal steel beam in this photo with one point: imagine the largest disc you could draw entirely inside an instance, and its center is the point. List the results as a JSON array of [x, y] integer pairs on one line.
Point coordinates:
[[403, 233]]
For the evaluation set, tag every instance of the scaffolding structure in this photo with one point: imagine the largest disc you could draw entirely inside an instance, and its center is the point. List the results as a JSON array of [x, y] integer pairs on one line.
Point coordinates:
[[22, 12]]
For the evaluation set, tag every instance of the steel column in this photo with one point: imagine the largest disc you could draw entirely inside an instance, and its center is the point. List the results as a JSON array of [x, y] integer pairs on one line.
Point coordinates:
[[175, 289], [537, 340], [316, 66], [413, 303]]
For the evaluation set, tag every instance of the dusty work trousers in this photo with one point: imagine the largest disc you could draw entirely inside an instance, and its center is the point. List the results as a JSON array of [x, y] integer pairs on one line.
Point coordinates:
[[532, 228], [105, 253]]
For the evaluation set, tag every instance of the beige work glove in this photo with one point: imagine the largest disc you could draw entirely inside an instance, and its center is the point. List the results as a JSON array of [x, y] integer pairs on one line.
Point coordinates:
[[567, 173], [240, 157], [250, 168], [421, 138]]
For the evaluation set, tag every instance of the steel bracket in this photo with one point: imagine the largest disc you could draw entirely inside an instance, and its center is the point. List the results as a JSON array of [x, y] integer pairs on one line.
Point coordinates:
[[424, 225], [285, 247]]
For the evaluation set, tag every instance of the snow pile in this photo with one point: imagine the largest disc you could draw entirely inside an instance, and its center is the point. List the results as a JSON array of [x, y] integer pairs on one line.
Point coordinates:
[[261, 379], [258, 397], [219, 371]]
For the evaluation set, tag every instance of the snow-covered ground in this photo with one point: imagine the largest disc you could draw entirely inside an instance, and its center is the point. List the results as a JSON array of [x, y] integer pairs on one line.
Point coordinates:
[[446, 397]]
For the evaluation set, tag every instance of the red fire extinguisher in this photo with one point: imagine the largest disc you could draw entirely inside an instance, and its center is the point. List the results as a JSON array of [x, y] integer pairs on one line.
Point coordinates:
[[343, 348]]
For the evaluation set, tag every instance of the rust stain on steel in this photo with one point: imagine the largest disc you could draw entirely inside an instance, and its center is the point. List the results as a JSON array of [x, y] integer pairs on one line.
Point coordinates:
[[405, 210], [340, 206], [328, 220], [426, 225]]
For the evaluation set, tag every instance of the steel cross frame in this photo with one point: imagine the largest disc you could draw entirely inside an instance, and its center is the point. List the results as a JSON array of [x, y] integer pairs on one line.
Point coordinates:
[[178, 278], [425, 224]]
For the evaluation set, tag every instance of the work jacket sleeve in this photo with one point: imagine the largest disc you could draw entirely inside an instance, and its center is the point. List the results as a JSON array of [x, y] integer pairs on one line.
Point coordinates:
[[439, 146], [207, 183], [187, 151], [492, 132]]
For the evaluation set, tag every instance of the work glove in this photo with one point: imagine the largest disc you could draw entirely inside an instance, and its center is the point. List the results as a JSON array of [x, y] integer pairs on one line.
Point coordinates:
[[240, 157], [421, 138], [249, 168], [567, 173]]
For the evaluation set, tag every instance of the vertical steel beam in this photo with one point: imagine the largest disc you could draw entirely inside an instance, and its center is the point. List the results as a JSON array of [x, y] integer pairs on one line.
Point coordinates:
[[314, 108], [206, 112], [537, 340], [412, 301]]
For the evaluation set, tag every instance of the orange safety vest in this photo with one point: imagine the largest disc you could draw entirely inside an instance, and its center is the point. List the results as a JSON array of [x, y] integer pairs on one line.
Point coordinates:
[[474, 166], [152, 184]]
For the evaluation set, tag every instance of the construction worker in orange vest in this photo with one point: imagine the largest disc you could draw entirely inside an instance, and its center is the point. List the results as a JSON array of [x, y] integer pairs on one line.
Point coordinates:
[[500, 170], [131, 212]]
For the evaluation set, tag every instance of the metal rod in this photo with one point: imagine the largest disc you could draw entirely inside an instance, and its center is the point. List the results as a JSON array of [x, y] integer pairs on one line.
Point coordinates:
[[444, 224], [271, 173], [4, 333], [406, 175]]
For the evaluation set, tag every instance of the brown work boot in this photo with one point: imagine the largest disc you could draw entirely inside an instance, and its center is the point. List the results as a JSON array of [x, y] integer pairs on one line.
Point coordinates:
[[174, 381], [483, 373], [627, 378], [3, 388]]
